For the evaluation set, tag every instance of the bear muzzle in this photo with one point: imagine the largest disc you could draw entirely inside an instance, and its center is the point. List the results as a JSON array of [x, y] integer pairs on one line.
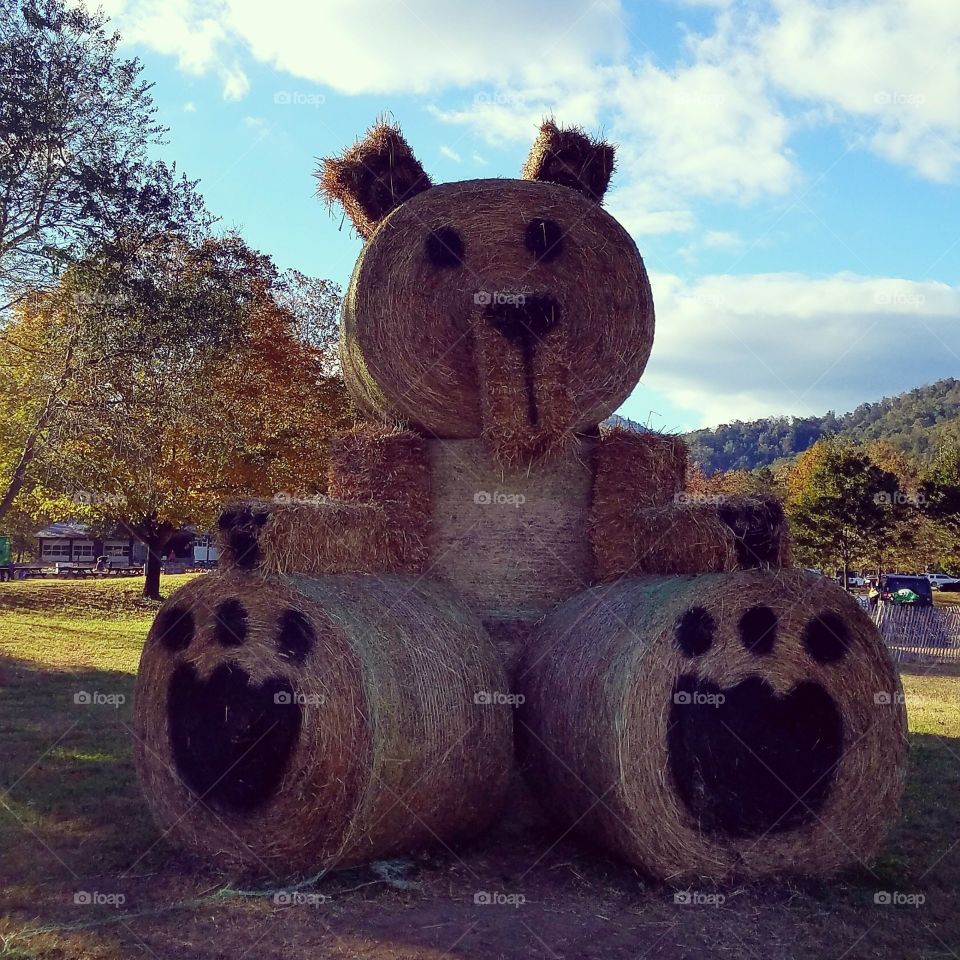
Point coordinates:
[[523, 371]]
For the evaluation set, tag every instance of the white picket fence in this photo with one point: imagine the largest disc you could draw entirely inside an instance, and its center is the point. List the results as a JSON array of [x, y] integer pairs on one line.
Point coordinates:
[[920, 634]]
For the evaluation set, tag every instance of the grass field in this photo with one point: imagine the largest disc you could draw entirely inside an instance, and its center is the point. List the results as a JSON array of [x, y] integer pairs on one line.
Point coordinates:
[[73, 826]]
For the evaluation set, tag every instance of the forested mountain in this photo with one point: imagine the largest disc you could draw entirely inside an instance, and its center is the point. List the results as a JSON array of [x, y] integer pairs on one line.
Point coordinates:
[[911, 421]]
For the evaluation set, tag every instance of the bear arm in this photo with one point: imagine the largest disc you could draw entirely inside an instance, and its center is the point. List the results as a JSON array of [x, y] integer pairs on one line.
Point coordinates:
[[374, 521], [641, 521], [670, 539], [736, 533]]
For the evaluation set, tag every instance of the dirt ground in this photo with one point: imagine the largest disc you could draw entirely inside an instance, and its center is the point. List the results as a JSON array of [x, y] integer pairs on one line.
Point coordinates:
[[500, 900]]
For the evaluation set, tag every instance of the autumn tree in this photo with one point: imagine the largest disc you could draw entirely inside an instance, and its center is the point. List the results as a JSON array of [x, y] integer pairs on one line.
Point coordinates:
[[313, 304], [939, 494], [839, 504], [284, 402], [38, 359], [748, 483], [202, 389]]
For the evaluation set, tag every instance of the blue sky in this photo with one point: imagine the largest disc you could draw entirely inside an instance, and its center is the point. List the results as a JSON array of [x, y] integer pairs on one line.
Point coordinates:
[[789, 169]]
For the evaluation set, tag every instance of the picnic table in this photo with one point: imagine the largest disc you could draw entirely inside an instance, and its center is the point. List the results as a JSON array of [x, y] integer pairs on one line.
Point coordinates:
[[86, 570], [20, 571]]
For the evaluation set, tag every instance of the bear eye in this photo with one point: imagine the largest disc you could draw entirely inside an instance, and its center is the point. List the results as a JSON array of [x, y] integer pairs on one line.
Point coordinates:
[[694, 632], [444, 248], [826, 638], [544, 239]]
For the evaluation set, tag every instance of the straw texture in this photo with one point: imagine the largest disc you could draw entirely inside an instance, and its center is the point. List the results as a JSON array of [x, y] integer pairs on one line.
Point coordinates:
[[526, 401], [675, 539], [373, 463], [374, 520], [609, 751], [510, 542], [409, 342], [317, 536], [391, 744], [760, 530], [641, 521], [637, 469], [568, 156], [373, 177]]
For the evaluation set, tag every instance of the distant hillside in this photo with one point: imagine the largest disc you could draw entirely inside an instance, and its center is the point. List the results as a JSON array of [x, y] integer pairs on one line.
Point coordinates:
[[615, 420], [910, 421]]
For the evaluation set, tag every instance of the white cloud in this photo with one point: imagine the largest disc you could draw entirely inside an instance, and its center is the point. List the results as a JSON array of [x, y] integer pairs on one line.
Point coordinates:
[[714, 124], [235, 83], [425, 45], [192, 32], [889, 68], [258, 125], [644, 208], [722, 240], [513, 114], [708, 129], [189, 107], [450, 154], [751, 346]]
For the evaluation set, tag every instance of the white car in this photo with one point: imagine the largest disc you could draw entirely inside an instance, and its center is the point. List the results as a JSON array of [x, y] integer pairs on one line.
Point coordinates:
[[853, 580], [937, 580]]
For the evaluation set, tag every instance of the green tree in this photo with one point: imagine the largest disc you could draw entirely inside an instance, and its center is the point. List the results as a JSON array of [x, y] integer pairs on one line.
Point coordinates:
[[76, 126], [840, 505], [939, 495]]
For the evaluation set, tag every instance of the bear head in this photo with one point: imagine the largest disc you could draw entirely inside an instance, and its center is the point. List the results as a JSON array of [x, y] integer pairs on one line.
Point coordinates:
[[515, 310]]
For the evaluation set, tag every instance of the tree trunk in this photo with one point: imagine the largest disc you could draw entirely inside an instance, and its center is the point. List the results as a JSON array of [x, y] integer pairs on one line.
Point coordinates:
[[19, 475], [151, 580], [155, 536]]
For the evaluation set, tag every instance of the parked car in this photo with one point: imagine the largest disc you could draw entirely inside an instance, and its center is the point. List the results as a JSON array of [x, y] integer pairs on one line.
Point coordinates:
[[853, 580], [937, 580], [909, 591]]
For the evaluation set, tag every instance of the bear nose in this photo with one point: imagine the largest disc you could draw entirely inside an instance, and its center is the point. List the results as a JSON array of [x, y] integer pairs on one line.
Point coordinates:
[[523, 317]]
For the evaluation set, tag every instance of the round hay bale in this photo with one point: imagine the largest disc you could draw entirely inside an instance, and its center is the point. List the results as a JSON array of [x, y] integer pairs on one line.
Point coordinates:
[[286, 727], [511, 542], [742, 724], [453, 251]]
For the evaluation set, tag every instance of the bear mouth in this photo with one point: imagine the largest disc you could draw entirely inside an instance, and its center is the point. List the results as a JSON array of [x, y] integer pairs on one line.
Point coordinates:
[[747, 761], [232, 740]]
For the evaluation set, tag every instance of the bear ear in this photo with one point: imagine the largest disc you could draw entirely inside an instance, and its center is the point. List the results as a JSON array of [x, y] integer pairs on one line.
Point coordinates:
[[372, 177], [569, 157]]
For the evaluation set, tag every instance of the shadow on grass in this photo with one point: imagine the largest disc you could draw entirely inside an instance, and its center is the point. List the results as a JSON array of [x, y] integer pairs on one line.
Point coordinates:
[[69, 802]]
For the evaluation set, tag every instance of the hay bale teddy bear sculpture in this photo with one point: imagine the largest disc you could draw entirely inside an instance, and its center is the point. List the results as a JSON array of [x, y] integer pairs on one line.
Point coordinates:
[[688, 701]]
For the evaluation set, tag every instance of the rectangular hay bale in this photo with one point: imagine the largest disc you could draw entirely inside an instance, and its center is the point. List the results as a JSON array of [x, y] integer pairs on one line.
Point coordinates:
[[326, 536], [375, 463], [635, 469], [666, 540]]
